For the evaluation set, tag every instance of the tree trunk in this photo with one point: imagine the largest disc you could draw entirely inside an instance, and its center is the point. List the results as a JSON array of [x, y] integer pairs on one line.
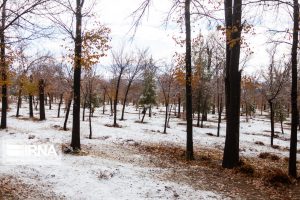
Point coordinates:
[[116, 100], [168, 123], [42, 99], [166, 118], [75, 142], [231, 149], [90, 115], [219, 114], [111, 107], [281, 123], [104, 94], [150, 111], [19, 102], [144, 113], [67, 114], [30, 100], [272, 121], [30, 106], [84, 106], [4, 70], [125, 99], [188, 81], [198, 114], [247, 117], [50, 102], [59, 105], [293, 141], [179, 105]]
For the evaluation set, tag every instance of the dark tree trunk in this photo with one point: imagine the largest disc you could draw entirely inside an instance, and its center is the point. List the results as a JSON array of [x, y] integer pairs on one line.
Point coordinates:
[[90, 114], [166, 118], [67, 114], [293, 141], [198, 114], [59, 104], [262, 106], [168, 123], [231, 149], [50, 101], [188, 81], [281, 123], [125, 99], [104, 94], [272, 121], [150, 111], [19, 102], [75, 143], [111, 107], [179, 105], [4, 70], [84, 106], [30, 100], [30, 106], [42, 99], [219, 114], [144, 113], [116, 99]]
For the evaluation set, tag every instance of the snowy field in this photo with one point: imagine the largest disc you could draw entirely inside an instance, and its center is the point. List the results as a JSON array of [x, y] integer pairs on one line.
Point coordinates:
[[101, 171]]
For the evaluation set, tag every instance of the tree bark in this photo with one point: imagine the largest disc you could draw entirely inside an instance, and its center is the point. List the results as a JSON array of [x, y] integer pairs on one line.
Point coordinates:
[[116, 100], [272, 121], [90, 113], [59, 104], [293, 141], [111, 107], [75, 142], [219, 114], [67, 114], [84, 106], [188, 82], [30, 100], [42, 99], [104, 94], [4, 69], [19, 102], [30, 106], [150, 111], [50, 101], [144, 113], [166, 118], [179, 105], [231, 150], [125, 99], [198, 114]]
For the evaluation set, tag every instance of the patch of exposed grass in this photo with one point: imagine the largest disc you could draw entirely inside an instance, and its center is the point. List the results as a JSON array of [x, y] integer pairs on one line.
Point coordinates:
[[267, 155]]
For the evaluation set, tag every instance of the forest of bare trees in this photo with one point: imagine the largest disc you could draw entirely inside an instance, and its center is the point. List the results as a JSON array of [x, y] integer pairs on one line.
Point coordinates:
[[205, 81]]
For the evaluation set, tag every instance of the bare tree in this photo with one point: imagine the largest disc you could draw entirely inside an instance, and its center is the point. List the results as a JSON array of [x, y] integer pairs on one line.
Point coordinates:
[[133, 72], [276, 76], [166, 81], [121, 63]]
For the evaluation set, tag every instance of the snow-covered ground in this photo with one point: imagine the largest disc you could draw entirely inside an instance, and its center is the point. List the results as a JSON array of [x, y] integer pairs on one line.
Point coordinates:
[[99, 177]]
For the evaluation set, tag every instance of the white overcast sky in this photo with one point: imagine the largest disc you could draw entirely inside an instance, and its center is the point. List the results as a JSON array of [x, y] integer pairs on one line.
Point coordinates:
[[154, 35]]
